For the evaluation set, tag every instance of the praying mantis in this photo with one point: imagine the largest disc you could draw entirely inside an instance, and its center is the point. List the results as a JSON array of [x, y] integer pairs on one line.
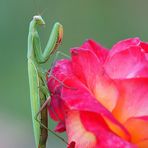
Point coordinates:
[[39, 93]]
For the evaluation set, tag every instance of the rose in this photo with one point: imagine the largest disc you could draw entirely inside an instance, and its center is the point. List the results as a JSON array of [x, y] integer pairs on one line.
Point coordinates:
[[100, 96]]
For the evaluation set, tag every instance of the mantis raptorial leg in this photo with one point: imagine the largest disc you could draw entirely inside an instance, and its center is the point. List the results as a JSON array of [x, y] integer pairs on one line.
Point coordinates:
[[36, 81]]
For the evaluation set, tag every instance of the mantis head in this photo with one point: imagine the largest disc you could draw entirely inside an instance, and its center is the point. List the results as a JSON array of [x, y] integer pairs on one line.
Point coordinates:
[[39, 20]]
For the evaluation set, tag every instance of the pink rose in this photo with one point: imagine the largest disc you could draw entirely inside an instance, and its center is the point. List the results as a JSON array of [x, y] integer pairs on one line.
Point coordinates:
[[100, 96]]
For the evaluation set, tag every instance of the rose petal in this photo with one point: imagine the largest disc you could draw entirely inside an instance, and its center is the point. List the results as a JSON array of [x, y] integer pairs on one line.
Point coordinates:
[[89, 70], [123, 45], [98, 49], [56, 109], [129, 63], [72, 145], [56, 112], [144, 46], [76, 132], [143, 144], [90, 130], [60, 127], [138, 127], [133, 100]]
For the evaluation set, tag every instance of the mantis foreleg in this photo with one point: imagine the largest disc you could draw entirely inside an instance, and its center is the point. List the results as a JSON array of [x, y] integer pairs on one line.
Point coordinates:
[[53, 42]]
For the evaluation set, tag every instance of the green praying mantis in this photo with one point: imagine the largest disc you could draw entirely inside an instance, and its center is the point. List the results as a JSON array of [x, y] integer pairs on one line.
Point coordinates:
[[39, 94]]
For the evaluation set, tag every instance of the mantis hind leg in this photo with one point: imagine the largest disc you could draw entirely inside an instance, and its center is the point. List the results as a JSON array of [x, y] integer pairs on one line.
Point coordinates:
[[42, 116], [43, 107]]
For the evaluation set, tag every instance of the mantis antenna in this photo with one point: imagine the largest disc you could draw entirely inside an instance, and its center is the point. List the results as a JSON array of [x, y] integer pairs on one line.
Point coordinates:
[[38, 89]]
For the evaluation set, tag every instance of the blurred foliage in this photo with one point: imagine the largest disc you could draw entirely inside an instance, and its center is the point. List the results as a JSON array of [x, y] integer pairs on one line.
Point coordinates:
[[105, 21]]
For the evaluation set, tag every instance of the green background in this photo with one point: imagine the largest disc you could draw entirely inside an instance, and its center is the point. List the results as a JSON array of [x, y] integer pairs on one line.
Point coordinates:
[[106, 21]]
